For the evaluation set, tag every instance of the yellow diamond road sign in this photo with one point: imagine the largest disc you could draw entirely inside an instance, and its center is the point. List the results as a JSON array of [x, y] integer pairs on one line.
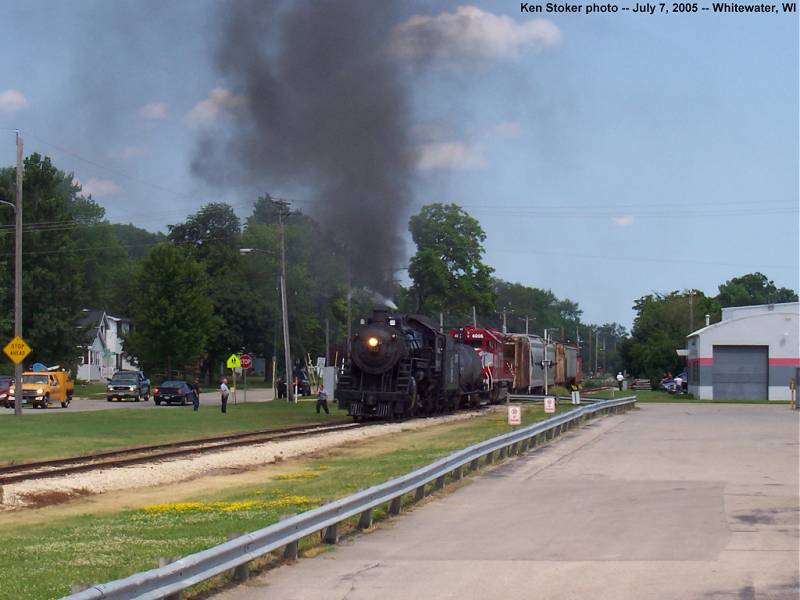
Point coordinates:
[[234, 362], [17, 350]]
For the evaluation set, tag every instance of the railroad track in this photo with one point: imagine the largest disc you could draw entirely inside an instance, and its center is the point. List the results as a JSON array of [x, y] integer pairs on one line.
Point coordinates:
[[141, 454]]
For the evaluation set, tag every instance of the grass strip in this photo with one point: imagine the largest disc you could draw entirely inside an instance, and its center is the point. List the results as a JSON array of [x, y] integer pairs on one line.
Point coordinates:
[[62, 434], [43, 560]]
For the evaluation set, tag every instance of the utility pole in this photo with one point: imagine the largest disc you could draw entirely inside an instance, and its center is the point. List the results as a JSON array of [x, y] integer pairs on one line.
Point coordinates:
[[691, 311], [441, 322], [327, 343], [18, 279], [526, 324], [504, 321], [590, 350], [283, 211], [596, 348], [349, 316], [474, 318]]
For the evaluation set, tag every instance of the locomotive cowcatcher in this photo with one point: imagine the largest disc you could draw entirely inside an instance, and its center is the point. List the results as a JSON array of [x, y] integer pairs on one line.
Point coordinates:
[[400, 365]]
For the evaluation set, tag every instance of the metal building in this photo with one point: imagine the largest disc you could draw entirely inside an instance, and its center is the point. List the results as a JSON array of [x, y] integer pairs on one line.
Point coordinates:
[[751, 354]]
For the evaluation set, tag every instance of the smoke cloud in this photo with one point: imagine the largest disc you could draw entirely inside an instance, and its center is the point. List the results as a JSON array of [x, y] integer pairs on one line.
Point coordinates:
[[325, 108]]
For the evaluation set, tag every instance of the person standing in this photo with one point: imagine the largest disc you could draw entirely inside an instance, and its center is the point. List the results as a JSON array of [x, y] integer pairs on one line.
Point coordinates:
[[196, 399], [678, 385], [620, 379], [322, 399], [224, 392]]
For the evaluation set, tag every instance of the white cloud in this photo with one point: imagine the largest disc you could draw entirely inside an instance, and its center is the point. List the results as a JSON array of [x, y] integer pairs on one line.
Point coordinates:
[[470, 34], [450, 155], [99, 187], [154, 111], [622, 221], [507, 129], [127, 152], [12, 101], [219, 102]]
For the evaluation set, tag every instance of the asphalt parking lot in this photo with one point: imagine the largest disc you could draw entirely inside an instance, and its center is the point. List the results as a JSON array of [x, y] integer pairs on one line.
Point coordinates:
[[668, 501]]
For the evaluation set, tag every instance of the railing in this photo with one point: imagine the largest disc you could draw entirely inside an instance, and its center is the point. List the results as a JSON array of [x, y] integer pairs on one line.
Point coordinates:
[[171, 579]]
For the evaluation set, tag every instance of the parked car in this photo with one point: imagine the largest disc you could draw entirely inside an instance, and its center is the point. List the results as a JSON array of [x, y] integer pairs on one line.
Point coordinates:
[[41, 388], [670, 386], [174, 392], [5, 387], [128, 384], [300, 380]]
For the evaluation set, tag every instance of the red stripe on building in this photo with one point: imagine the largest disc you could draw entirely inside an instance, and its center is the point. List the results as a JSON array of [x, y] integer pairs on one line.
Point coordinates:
[[785, 362], [701, 361]]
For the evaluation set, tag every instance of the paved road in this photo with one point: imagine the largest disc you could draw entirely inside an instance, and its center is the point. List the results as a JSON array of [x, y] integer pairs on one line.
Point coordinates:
[[83, 404], [670, 501]]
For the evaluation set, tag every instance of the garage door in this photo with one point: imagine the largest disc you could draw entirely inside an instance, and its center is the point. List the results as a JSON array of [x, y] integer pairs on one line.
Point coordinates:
[[740, 372]]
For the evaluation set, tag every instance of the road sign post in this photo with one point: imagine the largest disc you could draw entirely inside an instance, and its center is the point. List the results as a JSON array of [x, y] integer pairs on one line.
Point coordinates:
[[549, 404], [234, 362], [514, 414], [246, 362]]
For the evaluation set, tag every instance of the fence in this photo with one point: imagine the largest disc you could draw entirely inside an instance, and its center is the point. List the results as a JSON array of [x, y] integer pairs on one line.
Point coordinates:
[[170, 580]]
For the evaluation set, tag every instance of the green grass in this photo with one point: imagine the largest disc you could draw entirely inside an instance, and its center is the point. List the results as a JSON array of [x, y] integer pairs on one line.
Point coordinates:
[[104, 547], [42, 436], [90, 390]]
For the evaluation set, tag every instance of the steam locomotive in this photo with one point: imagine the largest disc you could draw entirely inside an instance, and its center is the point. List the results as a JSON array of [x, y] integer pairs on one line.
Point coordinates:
[[401, 365]]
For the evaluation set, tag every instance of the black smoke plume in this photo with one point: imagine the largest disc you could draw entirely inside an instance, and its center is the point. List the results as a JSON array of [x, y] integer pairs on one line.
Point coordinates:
[[325, 109]]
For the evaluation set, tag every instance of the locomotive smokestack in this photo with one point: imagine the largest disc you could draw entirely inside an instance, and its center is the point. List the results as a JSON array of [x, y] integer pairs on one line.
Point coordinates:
[[325, 112]]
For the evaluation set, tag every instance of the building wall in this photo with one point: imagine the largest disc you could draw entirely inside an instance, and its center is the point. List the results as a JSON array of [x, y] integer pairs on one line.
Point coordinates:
[[777, 329]]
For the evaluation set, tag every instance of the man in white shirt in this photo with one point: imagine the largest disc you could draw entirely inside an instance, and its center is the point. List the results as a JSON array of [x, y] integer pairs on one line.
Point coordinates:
[[678, 385], [224, 392], [620, 379]]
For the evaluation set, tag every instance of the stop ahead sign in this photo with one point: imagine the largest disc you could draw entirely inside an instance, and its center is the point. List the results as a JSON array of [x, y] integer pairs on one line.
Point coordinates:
[[247, 361]]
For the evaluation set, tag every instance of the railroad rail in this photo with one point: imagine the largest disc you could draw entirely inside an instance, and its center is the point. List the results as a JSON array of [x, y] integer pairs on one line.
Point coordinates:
[[129, 456], [170, 580]]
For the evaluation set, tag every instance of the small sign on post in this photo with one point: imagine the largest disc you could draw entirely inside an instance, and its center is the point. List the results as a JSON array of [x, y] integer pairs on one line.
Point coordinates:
[[514, 414], [17, 350], [246, 361], [234, 362], [549, 404], [576, 397]]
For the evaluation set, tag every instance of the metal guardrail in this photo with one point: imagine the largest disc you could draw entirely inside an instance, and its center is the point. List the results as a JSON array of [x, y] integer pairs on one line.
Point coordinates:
[[175, 577]]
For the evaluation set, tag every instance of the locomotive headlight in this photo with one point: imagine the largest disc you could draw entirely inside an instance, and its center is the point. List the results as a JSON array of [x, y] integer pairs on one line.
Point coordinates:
[[372, 342]]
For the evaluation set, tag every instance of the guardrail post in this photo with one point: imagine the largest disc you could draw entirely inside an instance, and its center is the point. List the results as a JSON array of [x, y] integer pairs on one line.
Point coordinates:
[[365, 519], [473, 466], [290, 551], [242, 572], [394, 506], [163, 562], [439, 484], [457, 473], [490, 458], [420, 493], [331, 534], [502, 453]]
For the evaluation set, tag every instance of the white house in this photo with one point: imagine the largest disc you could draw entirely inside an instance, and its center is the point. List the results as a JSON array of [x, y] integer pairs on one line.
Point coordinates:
[[102, 354]]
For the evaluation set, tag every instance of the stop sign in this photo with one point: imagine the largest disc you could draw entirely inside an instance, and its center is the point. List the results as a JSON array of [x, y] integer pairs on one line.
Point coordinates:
[[247, 362]]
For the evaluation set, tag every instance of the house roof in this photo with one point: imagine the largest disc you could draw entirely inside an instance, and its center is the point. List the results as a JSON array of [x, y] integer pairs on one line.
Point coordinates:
[[91, 317]]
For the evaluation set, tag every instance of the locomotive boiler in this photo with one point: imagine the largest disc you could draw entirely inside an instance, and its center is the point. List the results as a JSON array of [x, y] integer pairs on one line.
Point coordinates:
[[401, 365]]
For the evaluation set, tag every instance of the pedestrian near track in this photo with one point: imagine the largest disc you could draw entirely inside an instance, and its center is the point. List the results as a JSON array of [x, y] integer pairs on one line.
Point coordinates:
[[224, 392], [620, 379], [322, 399], [196, 399], [678, 385]]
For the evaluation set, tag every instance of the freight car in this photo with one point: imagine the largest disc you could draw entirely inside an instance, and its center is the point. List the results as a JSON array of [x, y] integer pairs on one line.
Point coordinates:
[[496, 353], [400, 365]]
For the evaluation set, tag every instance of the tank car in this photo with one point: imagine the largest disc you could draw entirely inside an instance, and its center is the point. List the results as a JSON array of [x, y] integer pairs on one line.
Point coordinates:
[[400, 365]]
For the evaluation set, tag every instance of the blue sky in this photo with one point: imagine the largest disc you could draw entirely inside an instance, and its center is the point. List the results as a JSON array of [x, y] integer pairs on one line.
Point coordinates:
[[607, 157]]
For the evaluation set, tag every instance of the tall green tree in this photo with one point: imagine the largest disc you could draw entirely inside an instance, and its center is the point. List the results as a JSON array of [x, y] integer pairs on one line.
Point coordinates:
[[448, 271], [172, 312], [753, 288], [53, 290]]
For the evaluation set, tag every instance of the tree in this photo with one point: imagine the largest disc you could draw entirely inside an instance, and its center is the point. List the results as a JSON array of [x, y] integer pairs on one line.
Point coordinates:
[[447, 271], [753, 288], [660, 328], [53, 259], [172, 312]]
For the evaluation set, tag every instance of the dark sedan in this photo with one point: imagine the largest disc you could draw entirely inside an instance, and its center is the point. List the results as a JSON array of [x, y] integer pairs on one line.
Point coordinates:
[[174, 392]]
